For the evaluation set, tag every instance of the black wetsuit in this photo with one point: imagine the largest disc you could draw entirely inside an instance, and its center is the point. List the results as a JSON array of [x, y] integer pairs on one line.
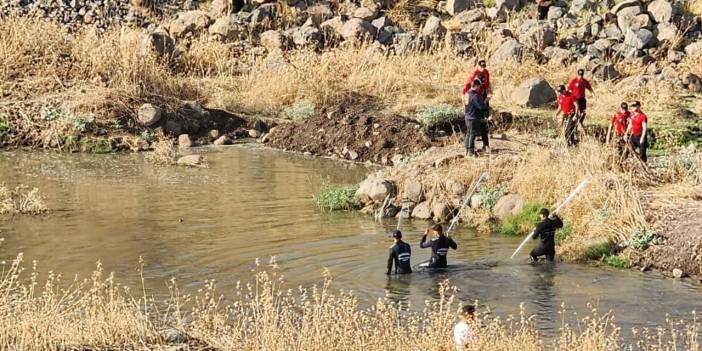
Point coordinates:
[[546, 232], [400, 254], [439, 250]]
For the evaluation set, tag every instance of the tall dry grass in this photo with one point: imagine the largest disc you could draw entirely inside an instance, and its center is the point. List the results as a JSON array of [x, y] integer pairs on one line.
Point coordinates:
[[263, 314], [21, 200]]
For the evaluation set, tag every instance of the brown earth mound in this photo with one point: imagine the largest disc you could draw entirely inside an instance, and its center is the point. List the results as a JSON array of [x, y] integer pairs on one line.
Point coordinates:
[[358, 138]]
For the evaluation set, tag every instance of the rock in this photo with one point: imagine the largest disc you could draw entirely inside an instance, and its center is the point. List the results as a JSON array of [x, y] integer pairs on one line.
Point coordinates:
[[605, 72], [172, 335], [357, 28], [422, 211], [455, 188], [148, 115], [669, 74], [507, 5], [623, 5], [223, 140], [222, 8], [626, 16], [678, 273], [353, 155], [226, 29], [189, 23], [333, 25], [445, 160], [273, 40], [662, 11], [184, 141], [612, 31], [403, 43], [641, 21], [536, 35], [189, 160], [557, 55], [253, 133], [413, 191], [578, 6], [433, 28], [675, 56], [454, 7], [365, 13], [476, 201], [507, 205], [319, 13], [460, 43], [374, 189], [533, 92], [172, 128], [162, 44], [694, 50], [441, 212], [470, 16], [262, 15], [307, 36], [666, 32], [555, 12], [381, 22], [692, 82], [509, 51], [640, 39]]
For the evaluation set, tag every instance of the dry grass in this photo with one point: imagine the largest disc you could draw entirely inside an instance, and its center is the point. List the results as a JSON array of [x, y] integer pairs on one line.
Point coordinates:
[[164, 153], [21, 200], [262, 314]]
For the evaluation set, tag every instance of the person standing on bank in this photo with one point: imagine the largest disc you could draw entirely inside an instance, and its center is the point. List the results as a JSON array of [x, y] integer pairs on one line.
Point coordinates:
[[637, 129], [483, 75], [476, 111], [578, 86], [569, 109], [619, 125], [546, 232], [463, 335], [440, 245], [400, 254]]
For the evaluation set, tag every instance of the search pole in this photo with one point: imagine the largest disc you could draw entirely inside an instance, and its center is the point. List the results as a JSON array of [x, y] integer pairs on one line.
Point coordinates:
[[466, 201], [570, 198]]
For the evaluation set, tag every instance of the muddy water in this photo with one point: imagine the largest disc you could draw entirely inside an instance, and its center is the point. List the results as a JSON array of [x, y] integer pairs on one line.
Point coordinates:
[[199, 224]]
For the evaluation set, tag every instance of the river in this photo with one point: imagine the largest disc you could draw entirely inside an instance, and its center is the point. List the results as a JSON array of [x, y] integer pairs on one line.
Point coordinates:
[[198, 224]]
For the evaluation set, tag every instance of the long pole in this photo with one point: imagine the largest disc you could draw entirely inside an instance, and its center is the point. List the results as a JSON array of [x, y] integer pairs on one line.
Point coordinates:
[[570, 198], [466, 201], [399, 220]]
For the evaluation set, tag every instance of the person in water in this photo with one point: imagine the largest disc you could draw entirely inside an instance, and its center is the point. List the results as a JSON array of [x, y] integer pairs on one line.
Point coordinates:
[[546, 231], [400, 253], [440, 245]]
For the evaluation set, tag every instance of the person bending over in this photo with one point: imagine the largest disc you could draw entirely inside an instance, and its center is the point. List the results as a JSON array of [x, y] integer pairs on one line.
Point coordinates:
[[546, 231], [440, 245], [400, 253]]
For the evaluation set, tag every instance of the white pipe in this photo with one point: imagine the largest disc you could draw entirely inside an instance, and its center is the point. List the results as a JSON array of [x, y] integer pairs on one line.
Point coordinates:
[[466, 201], [570, 198]]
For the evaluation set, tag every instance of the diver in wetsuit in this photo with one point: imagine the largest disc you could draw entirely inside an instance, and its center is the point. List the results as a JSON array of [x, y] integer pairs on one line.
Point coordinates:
[[439, 246], [400, 254], [546, 232]]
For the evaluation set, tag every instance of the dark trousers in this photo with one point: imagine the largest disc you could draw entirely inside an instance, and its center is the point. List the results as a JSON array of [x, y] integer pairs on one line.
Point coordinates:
[[541, 250], [476, 127], [637, 145], [570, 129]]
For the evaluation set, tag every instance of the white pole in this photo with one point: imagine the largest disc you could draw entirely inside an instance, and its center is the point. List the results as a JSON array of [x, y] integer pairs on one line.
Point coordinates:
[[399, 220], [570, 198], [466, 201]]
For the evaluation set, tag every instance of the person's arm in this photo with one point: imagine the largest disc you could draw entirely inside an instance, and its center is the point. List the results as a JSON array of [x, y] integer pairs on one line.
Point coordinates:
[[424, 243], [391, 257], [558, 113], [557, 222], [644, 125], [469, 83], [452, 244], [627, 133], [537, 230]]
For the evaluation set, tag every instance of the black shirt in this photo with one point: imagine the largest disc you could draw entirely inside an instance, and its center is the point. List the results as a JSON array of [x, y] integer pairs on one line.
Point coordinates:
[[546, 231], [400, 254], [439, 250]]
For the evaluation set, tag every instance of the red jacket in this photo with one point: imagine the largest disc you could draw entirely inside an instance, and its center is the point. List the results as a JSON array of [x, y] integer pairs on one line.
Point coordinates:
[[484, 78], [578, 87], [637, 120], [567, 103], [621, 122]]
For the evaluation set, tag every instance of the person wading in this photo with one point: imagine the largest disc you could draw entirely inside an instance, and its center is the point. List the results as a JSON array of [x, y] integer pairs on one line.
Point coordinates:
[[567, 107], [476, 111], [619, 125], [400, 254], [440, 245], [638, 126], [463, 335], [578, 86], [546, 231]]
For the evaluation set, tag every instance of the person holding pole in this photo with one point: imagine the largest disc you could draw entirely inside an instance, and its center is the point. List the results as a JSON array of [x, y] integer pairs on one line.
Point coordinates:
[[546, 232], [440, 245], [400, 253]]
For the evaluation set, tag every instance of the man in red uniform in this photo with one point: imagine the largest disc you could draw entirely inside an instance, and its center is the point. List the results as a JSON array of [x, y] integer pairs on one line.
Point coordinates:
[[483, 75], [620, 122], [578, 86], [567, 106], [638, 126]]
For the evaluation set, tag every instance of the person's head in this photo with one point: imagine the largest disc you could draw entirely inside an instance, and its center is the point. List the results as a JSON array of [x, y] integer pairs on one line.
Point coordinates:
[[397, 235], [437, 230], [476, 84], [544, 213], [482, 65], [624, 107], [467, 312], [636, 105], [562, 89], [581, 73]]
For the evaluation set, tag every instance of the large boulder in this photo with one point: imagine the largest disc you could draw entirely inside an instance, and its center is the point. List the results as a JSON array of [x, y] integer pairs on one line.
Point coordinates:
[[273, 40], [319, 13], [666, 32], [626, 16], [510, 51], [694, 49], [441, 211], [578, 6], [662, 11], [148, 115], [224, 8], [507, 5], [413, 191], [307, 36], [533, 92], [536, 35], [159, 43], [357, 28], [333, 25], [374, 189], [433, 27], [422, 211], [454, 7], [226, 29], [639, 39], [558, 55], [189, 23], [605, 72], [508, 205], [366, 13], [692, 82]]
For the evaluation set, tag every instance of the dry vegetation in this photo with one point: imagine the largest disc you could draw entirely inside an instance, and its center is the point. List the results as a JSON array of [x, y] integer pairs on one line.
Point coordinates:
[[21, 200], [99, 313]]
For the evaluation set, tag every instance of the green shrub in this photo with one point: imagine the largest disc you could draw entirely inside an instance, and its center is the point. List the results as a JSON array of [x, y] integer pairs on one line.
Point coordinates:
[[641, 239], [332, 197], [439, 114], [600, 250], [489, 196], [563, 234], [96, 145], [617, 261], [299, 111], [489, 3], [521, 223]]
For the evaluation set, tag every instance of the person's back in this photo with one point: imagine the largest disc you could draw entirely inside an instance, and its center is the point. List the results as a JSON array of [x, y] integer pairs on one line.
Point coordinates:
[[401, 253], [475, 109], [439, 250], [546, 232]]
